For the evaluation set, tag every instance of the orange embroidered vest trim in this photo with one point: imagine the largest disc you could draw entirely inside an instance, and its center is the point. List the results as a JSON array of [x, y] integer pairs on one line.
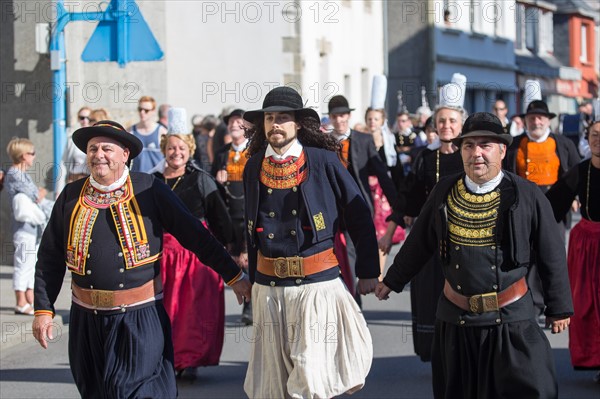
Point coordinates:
[[128, 222], [236, 162], [538, 162], [284, 174]]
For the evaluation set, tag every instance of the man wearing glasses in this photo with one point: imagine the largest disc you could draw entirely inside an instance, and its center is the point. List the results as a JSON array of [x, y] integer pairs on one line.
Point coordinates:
[[501, 110], [73, 160], [149, 132]]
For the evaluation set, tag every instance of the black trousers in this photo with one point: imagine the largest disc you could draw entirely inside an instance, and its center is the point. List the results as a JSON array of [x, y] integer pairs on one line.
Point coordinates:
[[512, 360], [122, 355]]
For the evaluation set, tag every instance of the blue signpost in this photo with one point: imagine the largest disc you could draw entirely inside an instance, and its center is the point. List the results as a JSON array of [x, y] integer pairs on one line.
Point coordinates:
[[122, 36]]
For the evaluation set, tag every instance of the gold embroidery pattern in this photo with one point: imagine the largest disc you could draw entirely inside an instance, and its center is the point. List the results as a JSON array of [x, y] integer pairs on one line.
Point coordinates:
[[80, 229], [132, 234], [472, 218], [128, 222], [319, 221], [283, 175]]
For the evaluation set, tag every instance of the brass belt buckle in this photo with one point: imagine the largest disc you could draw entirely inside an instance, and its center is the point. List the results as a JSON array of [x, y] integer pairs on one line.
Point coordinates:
[[103, 299], [288, 267], [484, 303]]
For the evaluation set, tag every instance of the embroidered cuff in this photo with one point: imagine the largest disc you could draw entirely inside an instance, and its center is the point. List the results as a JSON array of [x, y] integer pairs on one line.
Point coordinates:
[[44, 312], [237, 278]]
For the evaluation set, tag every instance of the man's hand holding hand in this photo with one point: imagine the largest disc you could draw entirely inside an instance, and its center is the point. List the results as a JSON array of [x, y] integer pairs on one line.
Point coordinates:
[[558, 325], [366, 285]]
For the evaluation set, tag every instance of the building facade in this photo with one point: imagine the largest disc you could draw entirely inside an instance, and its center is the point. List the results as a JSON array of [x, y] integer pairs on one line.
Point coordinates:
[[216, 54]]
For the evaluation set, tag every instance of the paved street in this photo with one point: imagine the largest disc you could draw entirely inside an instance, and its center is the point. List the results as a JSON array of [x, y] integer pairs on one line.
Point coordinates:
[[27, 371]]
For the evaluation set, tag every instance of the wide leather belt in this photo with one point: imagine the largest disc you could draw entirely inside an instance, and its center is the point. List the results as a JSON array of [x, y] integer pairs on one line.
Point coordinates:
[[110, 299], [488, 302], [296, 266]]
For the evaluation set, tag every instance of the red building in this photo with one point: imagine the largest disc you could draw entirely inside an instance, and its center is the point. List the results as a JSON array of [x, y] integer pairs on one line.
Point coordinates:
[[575, 45]]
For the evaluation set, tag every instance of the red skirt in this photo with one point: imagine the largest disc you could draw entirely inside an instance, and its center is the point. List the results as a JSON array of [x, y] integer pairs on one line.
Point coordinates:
[[195, 302], [342, 257], [584, 275], [382, 209]]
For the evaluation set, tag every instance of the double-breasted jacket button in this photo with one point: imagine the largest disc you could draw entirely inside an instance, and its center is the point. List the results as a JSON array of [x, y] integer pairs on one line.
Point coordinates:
[[495, 286], [121, 285], [271, 214], [498, 321], [89, 272], [458, 287], [298, 281], [271, 236], [272, 283], [294, 189], [493, 267], [121, 270], [120, 254], [269, 191], [457, 267], [294, 212], [462, 322], [293, 232]]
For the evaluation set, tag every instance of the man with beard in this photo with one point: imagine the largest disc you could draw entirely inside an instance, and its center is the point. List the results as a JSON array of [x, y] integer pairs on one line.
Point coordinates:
[[485, 225], [542, 157], [311, 338], [108, 231], [228, 169]]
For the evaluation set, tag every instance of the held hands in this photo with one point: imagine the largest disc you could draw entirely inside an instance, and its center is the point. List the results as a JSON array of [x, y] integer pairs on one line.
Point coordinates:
[[558, 325], [366, 285], [382, 291], [42, 329], [242, 289]]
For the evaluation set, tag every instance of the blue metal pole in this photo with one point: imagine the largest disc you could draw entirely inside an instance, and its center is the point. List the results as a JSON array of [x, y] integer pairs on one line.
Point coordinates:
[[59, 79]]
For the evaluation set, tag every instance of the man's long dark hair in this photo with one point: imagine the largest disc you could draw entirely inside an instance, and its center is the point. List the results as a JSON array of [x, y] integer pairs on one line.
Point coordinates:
[[309, 135]]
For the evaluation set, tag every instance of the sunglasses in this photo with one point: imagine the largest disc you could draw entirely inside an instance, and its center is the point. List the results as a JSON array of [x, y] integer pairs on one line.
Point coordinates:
[[82, 118], [145, 110]]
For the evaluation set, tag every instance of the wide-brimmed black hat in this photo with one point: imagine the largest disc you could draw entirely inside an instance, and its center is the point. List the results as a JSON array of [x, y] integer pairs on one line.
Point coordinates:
[[483, 124], [339, 105], [281, 99], [111, 130], [538, 107], [235, 112]]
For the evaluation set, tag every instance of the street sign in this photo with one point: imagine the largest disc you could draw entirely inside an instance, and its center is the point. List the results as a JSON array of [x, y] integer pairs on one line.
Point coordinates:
[[123, 36]]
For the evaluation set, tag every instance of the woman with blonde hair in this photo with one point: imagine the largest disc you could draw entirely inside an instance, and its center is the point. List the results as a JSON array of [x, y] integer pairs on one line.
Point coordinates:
[[30, 214], [193, 292]]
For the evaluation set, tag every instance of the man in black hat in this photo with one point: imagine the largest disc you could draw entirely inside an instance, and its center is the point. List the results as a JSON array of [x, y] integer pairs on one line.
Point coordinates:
[[485, 225], [542, 157], [108, 231], [539, 155], [228, 169], [311, 338]]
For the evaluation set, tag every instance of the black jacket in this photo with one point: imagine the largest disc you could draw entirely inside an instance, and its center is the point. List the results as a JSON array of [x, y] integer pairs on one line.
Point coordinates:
[[364, 162], [527, 229], [330, 191]]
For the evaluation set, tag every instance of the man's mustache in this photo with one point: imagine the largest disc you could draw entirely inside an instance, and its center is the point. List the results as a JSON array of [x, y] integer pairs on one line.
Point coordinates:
[[273, 131]]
